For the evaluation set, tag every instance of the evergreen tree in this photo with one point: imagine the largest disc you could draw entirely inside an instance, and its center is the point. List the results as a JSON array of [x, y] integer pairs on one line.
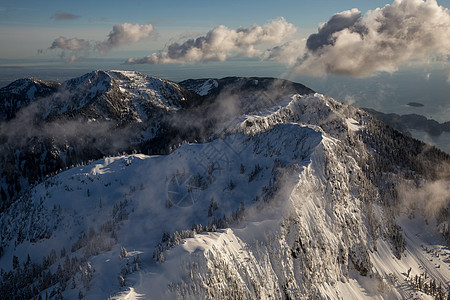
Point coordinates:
[[3, 194], [15, 262]]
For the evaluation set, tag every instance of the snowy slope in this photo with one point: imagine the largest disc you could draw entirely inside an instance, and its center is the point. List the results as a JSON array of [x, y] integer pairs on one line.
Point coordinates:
[[51, 211], [158, 91], [203, 88], [288, 204]]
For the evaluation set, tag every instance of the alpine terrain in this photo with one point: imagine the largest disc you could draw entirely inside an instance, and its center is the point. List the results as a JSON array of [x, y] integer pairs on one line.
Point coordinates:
[[121, 185]]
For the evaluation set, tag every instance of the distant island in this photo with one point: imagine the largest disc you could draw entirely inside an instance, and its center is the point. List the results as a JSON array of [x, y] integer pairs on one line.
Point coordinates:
[[404, 123], [415, 104]]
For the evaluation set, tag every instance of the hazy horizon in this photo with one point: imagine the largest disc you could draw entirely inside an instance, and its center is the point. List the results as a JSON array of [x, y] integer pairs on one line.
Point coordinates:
[[388, 93]]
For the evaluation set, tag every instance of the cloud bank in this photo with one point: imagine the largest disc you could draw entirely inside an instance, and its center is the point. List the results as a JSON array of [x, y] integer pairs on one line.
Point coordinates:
[[359, 45], [121, 34], [220, 43]]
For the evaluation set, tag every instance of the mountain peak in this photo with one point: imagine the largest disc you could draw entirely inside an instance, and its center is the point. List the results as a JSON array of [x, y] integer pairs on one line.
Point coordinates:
[[21, 93]]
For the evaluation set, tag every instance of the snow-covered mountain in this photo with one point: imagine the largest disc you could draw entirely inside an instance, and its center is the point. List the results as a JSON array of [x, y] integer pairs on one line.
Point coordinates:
[[48, 127], [278, 193], [21, 92]]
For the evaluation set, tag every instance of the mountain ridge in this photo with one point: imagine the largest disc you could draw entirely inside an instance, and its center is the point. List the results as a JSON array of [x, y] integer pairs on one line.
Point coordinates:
[[97, 114], [404, 123], [300, 197]]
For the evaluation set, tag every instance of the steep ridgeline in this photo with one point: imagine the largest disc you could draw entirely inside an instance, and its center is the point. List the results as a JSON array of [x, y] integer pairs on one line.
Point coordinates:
[[227, 98], [245, 87], [306, 198]]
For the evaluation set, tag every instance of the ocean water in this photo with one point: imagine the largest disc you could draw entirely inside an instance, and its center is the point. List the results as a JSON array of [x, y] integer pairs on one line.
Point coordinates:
[[388, 93], [391, 93]]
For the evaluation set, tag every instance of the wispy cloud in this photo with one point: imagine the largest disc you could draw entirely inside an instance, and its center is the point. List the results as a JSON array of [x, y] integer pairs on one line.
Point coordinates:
[[220, 43], [384, 39], [287, 53], [72, 44], [428, 199], [27, 122], [58, 16], [121, 34]]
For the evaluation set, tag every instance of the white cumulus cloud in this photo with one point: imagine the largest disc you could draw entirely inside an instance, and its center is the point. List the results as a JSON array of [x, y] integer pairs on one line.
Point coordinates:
[[383, 39], [121, 34], [220, 43]]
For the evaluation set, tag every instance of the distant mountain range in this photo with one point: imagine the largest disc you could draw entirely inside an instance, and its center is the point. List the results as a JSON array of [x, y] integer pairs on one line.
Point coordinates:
[[404, 123]]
